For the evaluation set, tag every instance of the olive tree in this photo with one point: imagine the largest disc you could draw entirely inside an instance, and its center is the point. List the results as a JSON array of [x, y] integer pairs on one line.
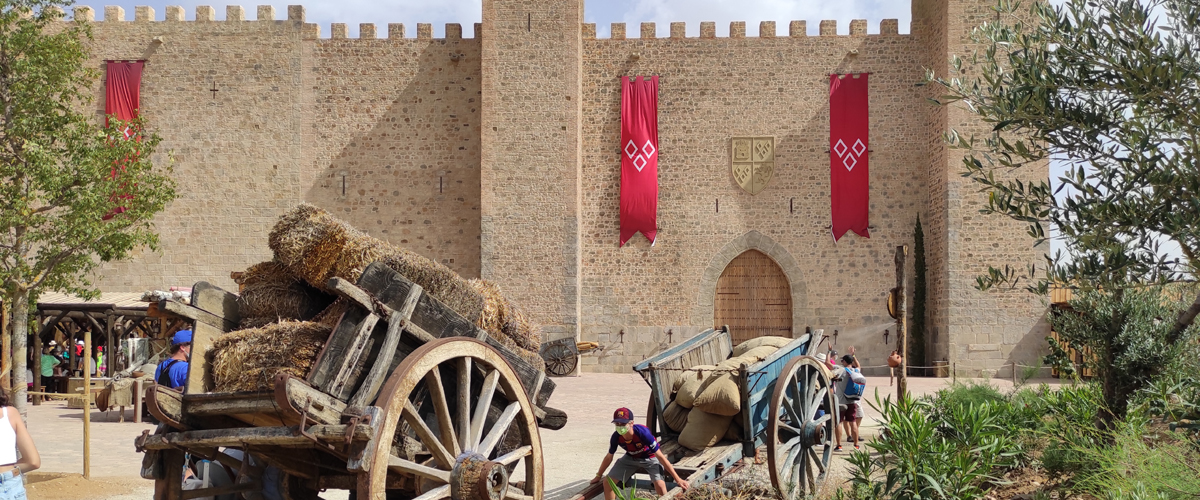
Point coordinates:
[[1108, 89]]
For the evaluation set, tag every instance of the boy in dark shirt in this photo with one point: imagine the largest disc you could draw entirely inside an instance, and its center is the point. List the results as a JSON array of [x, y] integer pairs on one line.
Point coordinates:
[[641, 454]]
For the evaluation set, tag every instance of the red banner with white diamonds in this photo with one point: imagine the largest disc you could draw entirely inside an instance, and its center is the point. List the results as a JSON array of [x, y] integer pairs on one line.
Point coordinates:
[[122, 99], [639, 158], [849, 177]]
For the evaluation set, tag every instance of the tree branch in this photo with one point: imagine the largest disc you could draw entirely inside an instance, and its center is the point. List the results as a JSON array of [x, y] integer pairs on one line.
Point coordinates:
[[1183, 321]]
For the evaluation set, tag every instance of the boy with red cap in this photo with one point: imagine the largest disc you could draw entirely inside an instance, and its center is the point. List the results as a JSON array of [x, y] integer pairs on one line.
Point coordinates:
[[641, 454]]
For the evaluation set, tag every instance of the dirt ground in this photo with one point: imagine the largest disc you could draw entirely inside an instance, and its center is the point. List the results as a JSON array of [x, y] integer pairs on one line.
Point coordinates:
[[572, 454]]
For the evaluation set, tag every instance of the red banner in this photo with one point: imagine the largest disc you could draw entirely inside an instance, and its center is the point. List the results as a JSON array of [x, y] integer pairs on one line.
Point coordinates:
[[849, 177], [639, 158], [122, 99]]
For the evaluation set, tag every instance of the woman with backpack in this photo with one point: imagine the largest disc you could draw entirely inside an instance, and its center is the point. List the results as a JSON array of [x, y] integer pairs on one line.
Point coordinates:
[[852, 385]]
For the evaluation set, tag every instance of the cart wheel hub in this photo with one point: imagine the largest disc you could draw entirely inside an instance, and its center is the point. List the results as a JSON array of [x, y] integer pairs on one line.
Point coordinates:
[[812, 434], [474, 477]]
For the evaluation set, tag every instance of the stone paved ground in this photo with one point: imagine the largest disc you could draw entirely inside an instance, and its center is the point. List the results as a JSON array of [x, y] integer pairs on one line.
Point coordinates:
[[572, 454]]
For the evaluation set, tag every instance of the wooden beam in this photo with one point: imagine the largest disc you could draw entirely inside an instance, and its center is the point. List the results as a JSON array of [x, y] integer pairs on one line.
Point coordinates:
[[258, 436], [352, 293], [195, 314]]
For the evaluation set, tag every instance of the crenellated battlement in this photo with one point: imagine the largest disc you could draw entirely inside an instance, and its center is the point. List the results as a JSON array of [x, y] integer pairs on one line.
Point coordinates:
[[266, 13], [454, 31], [737, 29]]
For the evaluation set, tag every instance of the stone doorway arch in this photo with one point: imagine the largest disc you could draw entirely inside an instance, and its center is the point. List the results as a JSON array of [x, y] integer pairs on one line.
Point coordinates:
[[703, 313]]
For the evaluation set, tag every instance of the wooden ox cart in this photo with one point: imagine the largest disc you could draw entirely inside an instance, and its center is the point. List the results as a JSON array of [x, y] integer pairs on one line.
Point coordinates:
[[780, 398], [407, 397]]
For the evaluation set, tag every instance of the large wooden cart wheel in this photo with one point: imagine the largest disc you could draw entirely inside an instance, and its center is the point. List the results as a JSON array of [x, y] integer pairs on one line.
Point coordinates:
[[798, 440], [444, 401]]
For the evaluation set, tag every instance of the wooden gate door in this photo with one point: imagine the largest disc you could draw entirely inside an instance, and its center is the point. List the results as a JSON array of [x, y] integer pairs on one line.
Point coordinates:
[[753, 298]]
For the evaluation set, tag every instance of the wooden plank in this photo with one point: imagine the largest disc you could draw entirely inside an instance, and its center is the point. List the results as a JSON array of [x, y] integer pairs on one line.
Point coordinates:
[[329, 361], [258, 436], [292, 395], [360, 456], [353, 358], [195, 314], [199, 370], [351, 292], [369, 388], [216, 301]]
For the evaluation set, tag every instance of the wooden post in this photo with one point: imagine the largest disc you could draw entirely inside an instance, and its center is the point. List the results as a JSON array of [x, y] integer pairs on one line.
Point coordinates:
[[37, 363], [137, 401], [108, 344], [901, 321], [87, 404]]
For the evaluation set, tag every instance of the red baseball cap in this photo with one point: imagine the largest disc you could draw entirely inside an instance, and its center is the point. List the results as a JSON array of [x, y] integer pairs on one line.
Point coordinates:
[[622, 416]]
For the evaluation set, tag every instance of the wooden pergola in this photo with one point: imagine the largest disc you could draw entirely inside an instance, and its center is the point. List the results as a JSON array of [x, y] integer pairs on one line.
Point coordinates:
[[109, 318]]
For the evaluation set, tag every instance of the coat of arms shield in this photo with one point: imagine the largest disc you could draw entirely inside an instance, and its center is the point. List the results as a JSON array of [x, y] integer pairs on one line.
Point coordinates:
[[753, 160]]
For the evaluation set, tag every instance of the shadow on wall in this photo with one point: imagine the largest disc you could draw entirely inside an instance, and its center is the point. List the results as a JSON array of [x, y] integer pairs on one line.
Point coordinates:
[[1031, 350], [410, 173]]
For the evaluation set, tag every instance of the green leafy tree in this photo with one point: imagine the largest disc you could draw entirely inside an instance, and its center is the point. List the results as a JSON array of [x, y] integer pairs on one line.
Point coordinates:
[[1109, 89], [63, 176]]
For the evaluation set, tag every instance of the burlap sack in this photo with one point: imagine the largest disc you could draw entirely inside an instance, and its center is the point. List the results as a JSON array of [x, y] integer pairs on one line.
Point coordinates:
[[775, 342], [719, 393], [676, 416], [703, 430], [758, 353], [692, 380], [734, 432]]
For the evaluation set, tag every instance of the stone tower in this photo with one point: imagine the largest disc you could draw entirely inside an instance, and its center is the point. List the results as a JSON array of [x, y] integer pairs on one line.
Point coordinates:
[[973, 330], [530, 155]]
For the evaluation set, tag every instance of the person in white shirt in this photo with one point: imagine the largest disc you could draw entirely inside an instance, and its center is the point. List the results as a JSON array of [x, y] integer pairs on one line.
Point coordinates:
[[15, 437]]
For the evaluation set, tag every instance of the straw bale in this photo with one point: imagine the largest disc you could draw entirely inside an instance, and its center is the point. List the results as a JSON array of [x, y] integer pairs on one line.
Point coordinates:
[[270, 290], [501, 316], [316, 246], [246, 360], [256, 322]]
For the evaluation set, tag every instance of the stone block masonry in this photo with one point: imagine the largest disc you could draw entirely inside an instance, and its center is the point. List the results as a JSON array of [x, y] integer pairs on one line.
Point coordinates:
[[497, 155]]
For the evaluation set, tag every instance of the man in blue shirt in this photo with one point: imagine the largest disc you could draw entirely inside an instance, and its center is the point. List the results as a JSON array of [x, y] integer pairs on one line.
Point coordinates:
[[172, 372], [641, 454]]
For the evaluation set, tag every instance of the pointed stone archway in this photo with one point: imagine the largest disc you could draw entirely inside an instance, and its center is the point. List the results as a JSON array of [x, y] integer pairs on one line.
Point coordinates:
[[702, 313]]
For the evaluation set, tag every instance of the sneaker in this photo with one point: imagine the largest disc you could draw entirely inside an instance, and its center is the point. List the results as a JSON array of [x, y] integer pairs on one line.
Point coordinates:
[[856, 447], [839, 448]]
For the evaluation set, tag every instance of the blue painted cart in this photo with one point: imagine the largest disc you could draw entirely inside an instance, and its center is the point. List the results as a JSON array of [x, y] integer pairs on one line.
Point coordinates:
[[783, 401]]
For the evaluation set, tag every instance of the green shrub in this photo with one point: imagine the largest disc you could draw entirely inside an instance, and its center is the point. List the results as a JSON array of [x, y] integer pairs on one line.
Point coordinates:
[[923, 452], [1138, 467]]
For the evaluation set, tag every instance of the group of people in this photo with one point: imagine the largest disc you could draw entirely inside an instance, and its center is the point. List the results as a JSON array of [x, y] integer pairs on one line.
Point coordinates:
[[56, 366]]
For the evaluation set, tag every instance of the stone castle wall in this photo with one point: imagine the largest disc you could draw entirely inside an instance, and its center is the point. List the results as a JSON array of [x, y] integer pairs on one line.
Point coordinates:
[[499, 156]]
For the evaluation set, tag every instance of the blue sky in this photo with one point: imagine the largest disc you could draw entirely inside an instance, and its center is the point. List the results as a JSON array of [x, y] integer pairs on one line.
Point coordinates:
[[663, 12]]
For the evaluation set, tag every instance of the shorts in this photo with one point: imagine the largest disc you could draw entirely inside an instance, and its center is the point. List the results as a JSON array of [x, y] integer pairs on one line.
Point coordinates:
[[851, 411], [622, 471], [12, 488]]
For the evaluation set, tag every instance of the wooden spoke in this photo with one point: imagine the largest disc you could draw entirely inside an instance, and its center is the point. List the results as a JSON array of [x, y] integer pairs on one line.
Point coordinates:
[[498, 429], [786, 427], [482, 405], [405, 466], [512, 494], [464, 403], [816, 401], [440, 453], [793, 448], [433, 382], [812, 453], [438, 493], [512, 456]]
